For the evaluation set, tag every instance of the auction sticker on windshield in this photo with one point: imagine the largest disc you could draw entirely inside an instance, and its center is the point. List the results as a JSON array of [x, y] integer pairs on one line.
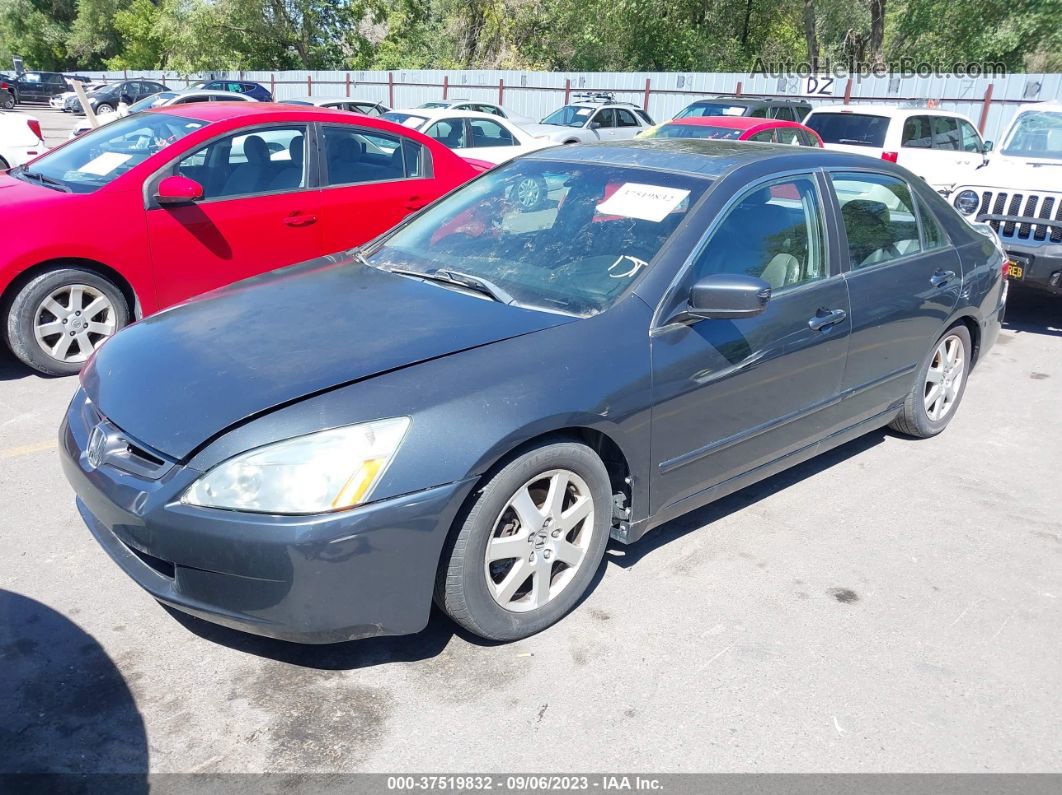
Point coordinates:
[[647, 202], [105, 163]]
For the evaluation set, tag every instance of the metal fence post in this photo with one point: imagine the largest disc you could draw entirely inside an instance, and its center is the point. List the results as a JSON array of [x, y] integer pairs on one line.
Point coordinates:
[[272, 84], [738, 92], [309, 85], [501, 91], [446, 85], [391, 88], [348, 84], [645, 102], [848, 92], [567, 90], [985, 104]]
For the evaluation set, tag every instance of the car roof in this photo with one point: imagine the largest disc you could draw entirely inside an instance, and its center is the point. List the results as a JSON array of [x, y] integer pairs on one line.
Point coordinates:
[[222, 111], [321, 100], [437, 113], [733, 122], [889, 111], [748, 101], [700, 156]]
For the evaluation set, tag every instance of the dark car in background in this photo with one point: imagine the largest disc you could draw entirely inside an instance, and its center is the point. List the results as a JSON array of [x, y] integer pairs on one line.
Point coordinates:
[[107, 99], [467, 408], [7, 99], [38, 86], [758, 107], [251, 89]]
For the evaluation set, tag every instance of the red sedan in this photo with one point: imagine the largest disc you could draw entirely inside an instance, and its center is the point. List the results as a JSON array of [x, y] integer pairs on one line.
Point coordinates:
[[739, 128], [160, 206]]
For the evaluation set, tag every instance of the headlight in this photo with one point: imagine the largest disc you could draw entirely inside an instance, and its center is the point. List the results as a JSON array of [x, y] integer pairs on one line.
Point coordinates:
[[320, 472], [966, 202]]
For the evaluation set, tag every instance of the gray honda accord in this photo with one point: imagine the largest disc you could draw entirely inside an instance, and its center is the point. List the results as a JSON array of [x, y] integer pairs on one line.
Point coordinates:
[[467, 409]]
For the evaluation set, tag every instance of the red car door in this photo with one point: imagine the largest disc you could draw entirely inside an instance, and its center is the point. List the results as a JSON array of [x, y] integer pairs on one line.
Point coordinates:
[[259, 211], [371, 180]]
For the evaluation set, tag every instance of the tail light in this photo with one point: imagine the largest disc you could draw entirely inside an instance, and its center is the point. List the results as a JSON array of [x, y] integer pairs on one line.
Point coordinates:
[[890, 156], [35, 128]]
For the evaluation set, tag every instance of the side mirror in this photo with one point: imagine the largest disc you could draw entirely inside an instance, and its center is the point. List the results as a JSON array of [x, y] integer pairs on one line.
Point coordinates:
[[595, 125], [988, 147], [128, 100], [178, 190], [728, 295]]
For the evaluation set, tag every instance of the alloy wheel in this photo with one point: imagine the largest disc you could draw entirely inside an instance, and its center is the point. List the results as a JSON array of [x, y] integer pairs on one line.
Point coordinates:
[[528, 193], [944, 378], [539, 540], [72, 321]]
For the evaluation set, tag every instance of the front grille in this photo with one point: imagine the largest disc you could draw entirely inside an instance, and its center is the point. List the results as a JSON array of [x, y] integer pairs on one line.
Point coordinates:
[[1047, 210]]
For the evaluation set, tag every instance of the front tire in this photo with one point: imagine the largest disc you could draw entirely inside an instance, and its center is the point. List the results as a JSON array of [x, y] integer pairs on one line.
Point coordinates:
[[939, 386], [61, 316], [104, 108], [526, 547]]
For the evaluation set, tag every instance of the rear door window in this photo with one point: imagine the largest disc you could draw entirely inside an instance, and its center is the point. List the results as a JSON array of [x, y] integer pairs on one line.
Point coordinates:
[[355, 156], [879, 217], [916, 133], [625, 118], [851, 129], [489, 133]]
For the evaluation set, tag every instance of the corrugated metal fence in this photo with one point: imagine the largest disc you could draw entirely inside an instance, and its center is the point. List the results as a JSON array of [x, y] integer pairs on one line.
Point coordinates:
[[988, 101]]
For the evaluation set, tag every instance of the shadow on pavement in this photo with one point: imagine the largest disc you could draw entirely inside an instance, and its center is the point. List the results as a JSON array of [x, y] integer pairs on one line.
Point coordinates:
[[626, 556], [65, 708], [1033, 312], [12, 369]]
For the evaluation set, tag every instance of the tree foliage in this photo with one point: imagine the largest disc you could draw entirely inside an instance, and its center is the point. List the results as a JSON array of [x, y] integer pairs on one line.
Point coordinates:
[[583, 35]]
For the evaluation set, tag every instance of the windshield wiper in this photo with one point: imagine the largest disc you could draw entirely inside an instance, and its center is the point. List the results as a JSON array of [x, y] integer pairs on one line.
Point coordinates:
[[469, 282], [48, 182]]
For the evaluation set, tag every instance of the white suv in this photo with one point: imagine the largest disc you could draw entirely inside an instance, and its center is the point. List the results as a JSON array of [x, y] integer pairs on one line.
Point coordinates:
[[592, 117], [1019, 194], [939, 146]]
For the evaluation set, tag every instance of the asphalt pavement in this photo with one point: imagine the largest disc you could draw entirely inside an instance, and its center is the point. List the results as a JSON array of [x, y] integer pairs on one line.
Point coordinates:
[[894, 605]]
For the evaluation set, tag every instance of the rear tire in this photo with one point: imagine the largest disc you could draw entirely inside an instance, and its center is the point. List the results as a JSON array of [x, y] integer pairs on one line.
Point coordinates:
[[530, 507], [9, 103], [92, 306], [104, 108], [939, 386]]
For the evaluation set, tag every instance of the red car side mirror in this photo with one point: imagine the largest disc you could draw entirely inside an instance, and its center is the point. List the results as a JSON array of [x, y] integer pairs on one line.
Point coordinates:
[[178, 190]]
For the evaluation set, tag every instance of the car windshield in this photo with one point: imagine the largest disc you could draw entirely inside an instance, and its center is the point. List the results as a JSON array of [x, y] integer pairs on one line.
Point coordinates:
[[560, 237], [712, 109], [151, 102], [569, 116], [1036, 133], [697, 131], [430, 105], [95, 159], [851, 129], [405, 119]]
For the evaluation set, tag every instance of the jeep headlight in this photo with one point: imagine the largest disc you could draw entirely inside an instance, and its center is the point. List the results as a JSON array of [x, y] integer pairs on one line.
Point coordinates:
[[320, 472], [967, 202]]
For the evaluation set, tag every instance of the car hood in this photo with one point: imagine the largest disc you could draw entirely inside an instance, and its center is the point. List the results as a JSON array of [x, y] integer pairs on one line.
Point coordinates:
[[184, 375], [18, 197], [1012, 173], [550, 130]]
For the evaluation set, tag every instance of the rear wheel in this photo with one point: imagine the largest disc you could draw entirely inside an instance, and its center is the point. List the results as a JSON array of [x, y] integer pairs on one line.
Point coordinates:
[[939, 387], [104, 108], [9, 102], [60, 317], [527, 547], [529, 193]]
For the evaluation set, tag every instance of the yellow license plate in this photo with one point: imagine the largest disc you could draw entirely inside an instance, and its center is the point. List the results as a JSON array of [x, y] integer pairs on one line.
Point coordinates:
[[1015, 271]]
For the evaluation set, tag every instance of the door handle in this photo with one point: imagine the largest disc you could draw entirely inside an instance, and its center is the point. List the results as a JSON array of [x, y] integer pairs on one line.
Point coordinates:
[[940, 278], [298, 219], [825, 318], [416, 202]]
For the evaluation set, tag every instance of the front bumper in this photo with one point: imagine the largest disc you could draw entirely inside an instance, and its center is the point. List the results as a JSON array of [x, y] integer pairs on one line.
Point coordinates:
[[310, 579], [1041, 265]]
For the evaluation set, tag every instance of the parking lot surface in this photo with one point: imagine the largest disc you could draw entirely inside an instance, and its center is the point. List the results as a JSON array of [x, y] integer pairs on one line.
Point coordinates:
[[894, 605]]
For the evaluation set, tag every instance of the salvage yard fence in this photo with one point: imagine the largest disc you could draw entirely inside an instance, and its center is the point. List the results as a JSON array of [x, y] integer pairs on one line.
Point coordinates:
[[989, 101]]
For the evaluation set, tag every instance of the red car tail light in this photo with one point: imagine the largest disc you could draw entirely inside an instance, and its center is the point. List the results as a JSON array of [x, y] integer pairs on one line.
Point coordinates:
[[35, 127], [890, 156]]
